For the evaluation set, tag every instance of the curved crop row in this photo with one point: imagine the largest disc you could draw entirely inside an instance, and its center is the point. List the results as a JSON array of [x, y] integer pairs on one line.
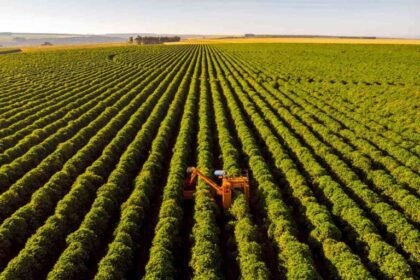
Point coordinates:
[[394, 221], [44, 126], [205, 251], [121, 250], [49, 75], [343, 206], [350, 91], [72, 208], [14, 121], [11, 172], [84, 241], [18, 142], [377, 125], [161, 263], [40, 134], [406, 234], [95, 119], [107, 77], [324, 233], [45, 92], [249, 251], [401, 173], [401, 154], [294, 254], [36, 211]]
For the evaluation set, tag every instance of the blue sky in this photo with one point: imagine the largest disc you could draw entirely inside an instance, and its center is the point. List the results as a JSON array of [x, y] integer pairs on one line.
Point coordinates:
[[391, 18]]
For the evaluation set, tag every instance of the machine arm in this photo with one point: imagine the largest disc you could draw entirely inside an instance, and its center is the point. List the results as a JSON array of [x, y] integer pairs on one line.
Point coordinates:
[[195, 172], [224, 191]]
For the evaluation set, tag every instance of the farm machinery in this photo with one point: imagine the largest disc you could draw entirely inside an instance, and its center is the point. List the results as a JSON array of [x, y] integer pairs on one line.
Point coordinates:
[[223, 191]]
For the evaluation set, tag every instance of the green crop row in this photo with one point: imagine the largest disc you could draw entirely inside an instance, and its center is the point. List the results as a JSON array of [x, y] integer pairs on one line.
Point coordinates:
[[36, 211], [295, 256], [45, 124], [161, 263], [323, 232], [119, 257], [406, 234], [94, 144], [249, 251], [206, 256], [65, 218], [340, 201], [72, 262]]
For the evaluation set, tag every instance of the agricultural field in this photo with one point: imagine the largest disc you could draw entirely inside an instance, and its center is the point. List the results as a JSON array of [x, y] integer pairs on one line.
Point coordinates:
[[95, 143], [294, 40], [9, 50]]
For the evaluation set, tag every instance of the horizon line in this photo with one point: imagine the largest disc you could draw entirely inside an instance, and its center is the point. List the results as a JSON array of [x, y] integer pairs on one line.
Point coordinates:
[[226, 34]]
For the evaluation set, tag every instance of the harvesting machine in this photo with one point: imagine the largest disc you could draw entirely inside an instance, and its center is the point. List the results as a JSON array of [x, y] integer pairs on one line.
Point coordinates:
[[223, 190]]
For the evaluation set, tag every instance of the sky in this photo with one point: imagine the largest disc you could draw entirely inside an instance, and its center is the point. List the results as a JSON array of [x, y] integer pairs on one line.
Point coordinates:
[[382, 18]]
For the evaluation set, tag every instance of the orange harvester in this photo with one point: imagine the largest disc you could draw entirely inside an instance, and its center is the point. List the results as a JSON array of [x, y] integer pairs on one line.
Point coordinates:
[[224, 191]]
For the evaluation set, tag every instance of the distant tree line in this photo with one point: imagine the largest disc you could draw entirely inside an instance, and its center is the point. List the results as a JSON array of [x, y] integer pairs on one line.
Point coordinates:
[[148, 40], [247, 35]]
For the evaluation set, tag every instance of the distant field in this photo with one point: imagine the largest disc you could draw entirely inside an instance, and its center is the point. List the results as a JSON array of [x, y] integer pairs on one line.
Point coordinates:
[[72, 47], [299, 40], [95, 142], [29, 39], [9, 50], [9, 37]]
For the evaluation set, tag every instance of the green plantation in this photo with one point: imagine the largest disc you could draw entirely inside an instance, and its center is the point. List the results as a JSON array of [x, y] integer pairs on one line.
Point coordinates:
[[95, 143]]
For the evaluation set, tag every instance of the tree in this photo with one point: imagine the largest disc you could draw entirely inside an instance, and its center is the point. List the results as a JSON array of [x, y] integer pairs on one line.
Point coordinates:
[[138, 40]]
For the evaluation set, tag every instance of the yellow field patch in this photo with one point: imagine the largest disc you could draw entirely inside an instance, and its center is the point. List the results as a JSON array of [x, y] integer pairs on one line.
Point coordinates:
[[66, 47], [299, 40]]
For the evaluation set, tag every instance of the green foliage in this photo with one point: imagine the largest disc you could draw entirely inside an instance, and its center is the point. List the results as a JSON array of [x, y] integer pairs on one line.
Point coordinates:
[[205, 253], [91, 147], [161, 264]]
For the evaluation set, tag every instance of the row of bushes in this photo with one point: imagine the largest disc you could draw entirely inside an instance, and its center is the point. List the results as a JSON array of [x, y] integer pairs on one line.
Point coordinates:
[[82, 243], [402, 174], [165, 244], [373, 122], [205, 253], [249, 251], [401, 154], [32, 133], [121, 251], [49, 100], [403, 170], [407, 236], [323, 233], [14, 115], [362, 229], [382, 104], [44, 199], [11, 172], [78, 132], [395, 222], [34, 75], [49, 119], [294, 255], [106, 200], [47, 125]]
